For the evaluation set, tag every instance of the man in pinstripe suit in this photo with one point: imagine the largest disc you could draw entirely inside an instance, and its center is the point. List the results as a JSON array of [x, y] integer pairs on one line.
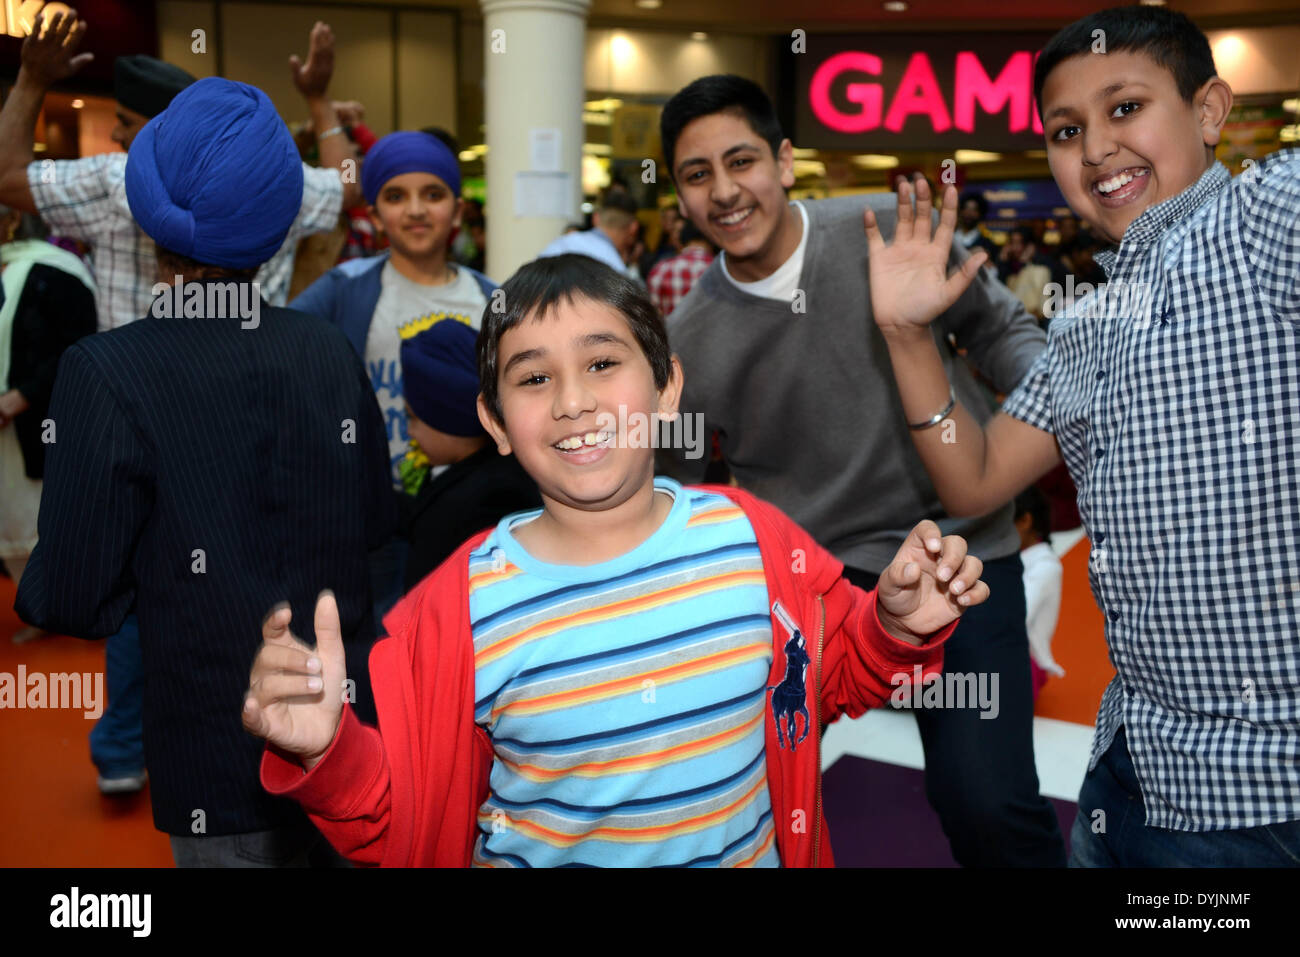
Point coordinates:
[[207, 462]]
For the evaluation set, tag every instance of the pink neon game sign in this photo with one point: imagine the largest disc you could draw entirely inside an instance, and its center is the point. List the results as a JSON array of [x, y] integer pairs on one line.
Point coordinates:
[[882, 94]]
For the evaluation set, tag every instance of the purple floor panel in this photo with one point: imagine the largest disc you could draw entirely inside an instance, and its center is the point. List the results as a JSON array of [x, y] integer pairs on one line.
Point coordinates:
[[878, 816]]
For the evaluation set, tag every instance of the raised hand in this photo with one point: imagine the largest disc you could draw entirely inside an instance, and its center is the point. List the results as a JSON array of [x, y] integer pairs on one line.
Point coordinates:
[[313, 77], [910, 284], [50, 52], [295, 695], [349, 112], [929, 584]]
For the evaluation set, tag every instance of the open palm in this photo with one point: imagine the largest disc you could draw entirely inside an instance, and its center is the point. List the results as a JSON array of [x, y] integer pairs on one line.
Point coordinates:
[[50, 51], [910, 284]]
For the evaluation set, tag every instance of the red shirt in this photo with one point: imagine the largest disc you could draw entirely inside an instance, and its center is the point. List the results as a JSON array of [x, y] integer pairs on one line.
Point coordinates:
[[672, 279]]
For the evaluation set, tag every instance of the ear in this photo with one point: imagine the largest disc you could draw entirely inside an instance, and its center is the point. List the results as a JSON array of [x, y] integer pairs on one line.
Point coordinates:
[[459, 214], [495, 429], [785, 163], [374, 219], [671, 394], [1214, 100]]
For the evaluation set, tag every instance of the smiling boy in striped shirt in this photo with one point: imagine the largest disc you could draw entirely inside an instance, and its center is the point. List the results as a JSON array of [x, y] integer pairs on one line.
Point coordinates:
[[636, 674]]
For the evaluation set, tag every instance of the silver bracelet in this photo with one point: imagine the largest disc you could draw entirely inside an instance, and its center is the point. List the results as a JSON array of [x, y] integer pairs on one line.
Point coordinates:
[[330, 132], [938, 416]]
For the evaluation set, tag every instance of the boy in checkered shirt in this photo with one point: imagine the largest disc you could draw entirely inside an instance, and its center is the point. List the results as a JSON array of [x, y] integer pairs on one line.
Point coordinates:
[[1173, 394]]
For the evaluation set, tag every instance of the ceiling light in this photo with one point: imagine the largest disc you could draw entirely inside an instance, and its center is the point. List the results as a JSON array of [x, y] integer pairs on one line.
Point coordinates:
[[874, 161], [975, 156]]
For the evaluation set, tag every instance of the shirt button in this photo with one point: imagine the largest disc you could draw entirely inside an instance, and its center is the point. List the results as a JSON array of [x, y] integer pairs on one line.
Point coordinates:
[[1101, 537], [1101, 374], [1114, 615], [1099, 451]]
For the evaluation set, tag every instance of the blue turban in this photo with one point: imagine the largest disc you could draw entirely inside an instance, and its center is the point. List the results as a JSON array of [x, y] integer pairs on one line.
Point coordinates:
[[407, 152], [440, 377], [216, 176]]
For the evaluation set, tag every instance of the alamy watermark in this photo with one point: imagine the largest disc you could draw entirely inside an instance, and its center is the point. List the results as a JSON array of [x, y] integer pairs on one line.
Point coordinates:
[[951, 689], [1104, 300], [212, 299], [642, 430], [76, 909], [83, 691]]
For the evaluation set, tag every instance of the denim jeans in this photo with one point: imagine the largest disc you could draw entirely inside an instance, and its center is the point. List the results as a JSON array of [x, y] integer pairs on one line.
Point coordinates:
[[117, 740], [1120, 837]]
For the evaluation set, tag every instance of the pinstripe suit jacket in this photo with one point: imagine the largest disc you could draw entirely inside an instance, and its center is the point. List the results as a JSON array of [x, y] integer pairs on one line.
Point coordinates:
[[202, 472]]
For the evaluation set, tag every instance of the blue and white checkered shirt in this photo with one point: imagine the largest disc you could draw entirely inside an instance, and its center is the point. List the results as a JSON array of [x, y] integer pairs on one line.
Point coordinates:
[[1174, 393], [85, 199]]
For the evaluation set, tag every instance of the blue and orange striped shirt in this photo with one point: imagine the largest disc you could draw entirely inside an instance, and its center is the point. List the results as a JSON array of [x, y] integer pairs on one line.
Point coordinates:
[[625, 700]]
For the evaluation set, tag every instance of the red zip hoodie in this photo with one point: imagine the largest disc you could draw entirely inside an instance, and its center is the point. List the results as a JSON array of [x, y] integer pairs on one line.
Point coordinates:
[[408, 793]]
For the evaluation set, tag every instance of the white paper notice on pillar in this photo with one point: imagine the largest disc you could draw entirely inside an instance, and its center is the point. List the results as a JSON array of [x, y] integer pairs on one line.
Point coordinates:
[[544, 149], [544, 194]]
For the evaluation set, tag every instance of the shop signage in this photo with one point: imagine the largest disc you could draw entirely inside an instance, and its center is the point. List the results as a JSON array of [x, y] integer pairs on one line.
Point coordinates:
[[918, 92], [18, 17]]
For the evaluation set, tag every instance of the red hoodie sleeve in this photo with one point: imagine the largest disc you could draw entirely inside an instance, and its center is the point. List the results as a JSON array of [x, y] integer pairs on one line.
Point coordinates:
[[862, 664], [346, 794]]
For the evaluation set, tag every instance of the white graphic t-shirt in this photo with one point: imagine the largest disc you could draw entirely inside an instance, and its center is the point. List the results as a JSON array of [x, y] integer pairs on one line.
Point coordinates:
[[405, 309]]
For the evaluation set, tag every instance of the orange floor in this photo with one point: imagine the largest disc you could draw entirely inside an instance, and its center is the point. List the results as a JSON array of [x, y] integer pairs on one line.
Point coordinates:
[[52, 815], [1079, 647]]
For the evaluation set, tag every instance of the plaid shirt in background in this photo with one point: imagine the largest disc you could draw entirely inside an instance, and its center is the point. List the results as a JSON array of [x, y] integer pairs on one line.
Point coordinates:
[[85, 199], [1175, 397], [672, 279]]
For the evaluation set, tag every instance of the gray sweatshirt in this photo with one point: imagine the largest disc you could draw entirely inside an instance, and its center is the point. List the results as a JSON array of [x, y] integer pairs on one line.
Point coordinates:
[[806, 403]]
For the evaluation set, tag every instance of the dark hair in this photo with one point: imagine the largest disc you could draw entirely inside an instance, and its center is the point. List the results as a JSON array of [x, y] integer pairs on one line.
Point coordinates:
[[1167, 37], [616, 200], [540, 285], [444, 137], [1026, 233], [1034, 503], [971, 196], [690, 232], [173, 263], [720, 93], [30, 226]]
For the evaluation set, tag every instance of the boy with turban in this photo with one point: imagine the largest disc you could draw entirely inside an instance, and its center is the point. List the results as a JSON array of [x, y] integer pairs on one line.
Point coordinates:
[[412, 182], [208, 467], [478, 487]]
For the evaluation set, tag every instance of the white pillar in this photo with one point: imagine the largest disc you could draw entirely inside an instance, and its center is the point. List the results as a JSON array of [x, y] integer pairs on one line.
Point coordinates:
[[534, 58]]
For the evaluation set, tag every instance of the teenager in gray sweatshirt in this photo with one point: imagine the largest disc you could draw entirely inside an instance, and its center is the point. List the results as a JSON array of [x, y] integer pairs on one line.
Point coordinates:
[[782, 357]]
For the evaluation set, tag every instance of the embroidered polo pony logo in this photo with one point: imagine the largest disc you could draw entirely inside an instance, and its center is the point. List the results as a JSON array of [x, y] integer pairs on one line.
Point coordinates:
[[789, 698]]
